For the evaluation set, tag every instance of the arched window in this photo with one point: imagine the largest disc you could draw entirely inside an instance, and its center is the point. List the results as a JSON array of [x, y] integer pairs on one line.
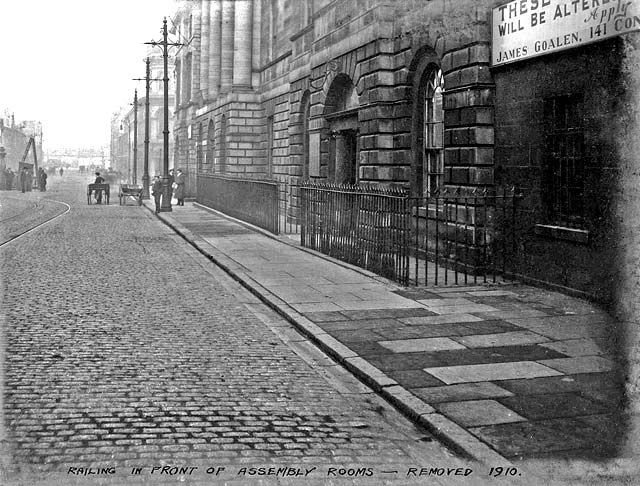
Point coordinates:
[[305, 106], [433, 141]]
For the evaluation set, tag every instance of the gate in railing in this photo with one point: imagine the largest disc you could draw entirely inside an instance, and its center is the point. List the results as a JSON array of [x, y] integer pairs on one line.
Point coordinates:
[[253, 201], [450, 238]]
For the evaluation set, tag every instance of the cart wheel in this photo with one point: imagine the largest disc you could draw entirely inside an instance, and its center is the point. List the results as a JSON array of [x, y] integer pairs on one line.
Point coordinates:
[[140, 200], [120, 198], [89, 198]]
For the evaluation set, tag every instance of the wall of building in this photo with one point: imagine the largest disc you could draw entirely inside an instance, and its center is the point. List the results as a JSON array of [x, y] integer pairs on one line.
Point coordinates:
[[15, 140], [580, 256], [257, 67]]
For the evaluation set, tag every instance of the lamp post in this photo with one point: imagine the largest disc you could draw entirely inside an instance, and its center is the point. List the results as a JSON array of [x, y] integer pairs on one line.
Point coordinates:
[[135, 137], [166, 187], [145, 176]]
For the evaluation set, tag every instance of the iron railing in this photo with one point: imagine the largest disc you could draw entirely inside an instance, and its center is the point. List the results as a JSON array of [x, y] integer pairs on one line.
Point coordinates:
[[363, 226], [449, 238], [460, 238], [452, 237], [253, 201]]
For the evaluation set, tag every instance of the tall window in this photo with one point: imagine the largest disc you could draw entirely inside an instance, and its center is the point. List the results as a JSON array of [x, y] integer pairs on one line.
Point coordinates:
[[187, 79], [270, 146], [210, 146], [178, 83], [199, 146], [433, 134], [223, 144], [563, 168], [305, 110]]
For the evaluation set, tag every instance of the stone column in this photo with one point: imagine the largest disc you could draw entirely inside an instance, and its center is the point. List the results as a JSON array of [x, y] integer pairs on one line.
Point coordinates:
[[205, 42], [243, 41], [196, 53], [215, 49], [226, 61], [184, 76]]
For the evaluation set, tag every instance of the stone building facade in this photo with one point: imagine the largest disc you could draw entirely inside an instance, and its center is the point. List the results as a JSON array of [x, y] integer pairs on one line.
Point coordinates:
[[123, 126], [404, 94], [14, 138]]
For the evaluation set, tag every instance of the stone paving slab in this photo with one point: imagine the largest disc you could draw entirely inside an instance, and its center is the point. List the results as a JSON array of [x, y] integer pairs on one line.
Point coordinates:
[[441, 319], [577, 347], [472, 413], [419, 345], [461, 392], [490, 371], [582, 364], [554, 405], [501, 339], [491, 359]]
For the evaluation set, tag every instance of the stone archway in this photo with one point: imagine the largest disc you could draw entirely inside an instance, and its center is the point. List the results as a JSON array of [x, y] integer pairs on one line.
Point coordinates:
[[341, 113]]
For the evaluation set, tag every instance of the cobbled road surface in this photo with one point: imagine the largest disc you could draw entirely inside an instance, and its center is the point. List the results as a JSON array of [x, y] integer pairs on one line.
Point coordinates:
[[124, 347]]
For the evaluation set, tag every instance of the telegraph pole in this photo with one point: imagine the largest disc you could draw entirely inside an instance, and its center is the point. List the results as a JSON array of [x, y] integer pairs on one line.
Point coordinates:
[[166, 188], [135, 137]]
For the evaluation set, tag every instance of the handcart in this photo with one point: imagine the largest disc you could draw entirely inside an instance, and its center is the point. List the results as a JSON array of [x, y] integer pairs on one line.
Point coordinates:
[[132, 191], [99, 191]]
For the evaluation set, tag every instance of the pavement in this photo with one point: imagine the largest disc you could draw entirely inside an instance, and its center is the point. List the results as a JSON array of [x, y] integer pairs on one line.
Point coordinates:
[[498, 372]]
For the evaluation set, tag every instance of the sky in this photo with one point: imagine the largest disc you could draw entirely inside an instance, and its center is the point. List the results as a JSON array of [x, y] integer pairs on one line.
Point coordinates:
[[70, 63]]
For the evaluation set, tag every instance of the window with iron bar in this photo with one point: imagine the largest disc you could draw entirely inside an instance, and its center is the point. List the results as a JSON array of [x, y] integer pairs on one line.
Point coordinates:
[[563, 165]]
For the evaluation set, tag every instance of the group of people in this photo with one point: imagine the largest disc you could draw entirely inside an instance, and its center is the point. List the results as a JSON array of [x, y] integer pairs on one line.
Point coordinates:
[[176, 182], [7, 177], [22, 179]]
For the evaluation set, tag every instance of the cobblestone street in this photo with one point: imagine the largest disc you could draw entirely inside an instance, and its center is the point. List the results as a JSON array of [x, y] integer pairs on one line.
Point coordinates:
[[124, 347]]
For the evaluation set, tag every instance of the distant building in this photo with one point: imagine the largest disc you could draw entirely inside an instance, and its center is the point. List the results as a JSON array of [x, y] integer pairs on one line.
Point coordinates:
[[14, 137], [123, 126]]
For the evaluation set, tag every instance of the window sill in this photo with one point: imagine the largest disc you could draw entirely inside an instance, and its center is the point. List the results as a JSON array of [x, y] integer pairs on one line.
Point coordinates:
[[561, 233]]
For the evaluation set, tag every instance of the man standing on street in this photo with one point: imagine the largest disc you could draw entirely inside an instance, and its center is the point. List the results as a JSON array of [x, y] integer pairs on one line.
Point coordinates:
[[179, 192], [24, 180], [99, 180], [156, 191], [43, 180]]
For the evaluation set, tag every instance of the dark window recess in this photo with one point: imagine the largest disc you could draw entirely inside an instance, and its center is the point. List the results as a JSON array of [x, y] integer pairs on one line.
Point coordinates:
[[270, 146], [563, 165], [200, 147]]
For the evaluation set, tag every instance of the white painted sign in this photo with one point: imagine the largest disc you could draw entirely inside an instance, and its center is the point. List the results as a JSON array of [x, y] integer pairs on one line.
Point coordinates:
[[527, 28]]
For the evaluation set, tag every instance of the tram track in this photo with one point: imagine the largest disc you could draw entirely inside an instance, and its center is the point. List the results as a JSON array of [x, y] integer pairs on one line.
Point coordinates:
[[35, 205], [9, 234]]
